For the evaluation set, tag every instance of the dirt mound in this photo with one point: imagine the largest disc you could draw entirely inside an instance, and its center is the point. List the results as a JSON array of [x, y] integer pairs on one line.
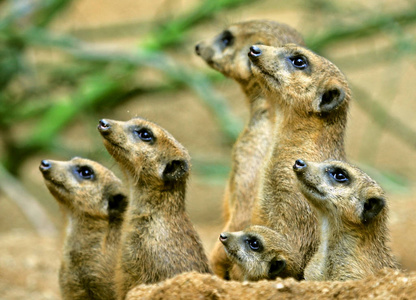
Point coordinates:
[[387, 284]]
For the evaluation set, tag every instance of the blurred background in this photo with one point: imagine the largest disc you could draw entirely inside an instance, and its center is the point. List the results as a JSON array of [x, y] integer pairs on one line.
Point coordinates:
[[66, 64]]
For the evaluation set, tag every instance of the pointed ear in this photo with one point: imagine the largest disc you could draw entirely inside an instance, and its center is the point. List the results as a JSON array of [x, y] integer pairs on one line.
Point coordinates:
[[117, 205], [372, 207], [276, 266], [175, 170], [331, 98]]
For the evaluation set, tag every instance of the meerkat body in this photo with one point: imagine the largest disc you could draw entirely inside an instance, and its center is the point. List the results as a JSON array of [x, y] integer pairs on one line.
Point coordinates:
[[94, 201], [312, 96], [261, 253], [227, 53], [352, 214], [158, 239]]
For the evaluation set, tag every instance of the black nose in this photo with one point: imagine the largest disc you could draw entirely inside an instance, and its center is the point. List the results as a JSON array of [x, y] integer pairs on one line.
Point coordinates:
[[197, 49], [223, 237], [299, 165], [103, 125], [45, 165], [254, 51]]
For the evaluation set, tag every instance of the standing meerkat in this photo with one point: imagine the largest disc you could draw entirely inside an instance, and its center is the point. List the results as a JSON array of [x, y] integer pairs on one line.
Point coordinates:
[[261, 253], [227, 53], [158, 240], [94, 200], [352, 214], [312, 96]]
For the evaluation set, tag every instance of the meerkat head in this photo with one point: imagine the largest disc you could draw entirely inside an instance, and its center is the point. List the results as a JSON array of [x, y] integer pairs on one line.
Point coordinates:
[[342, 191], [227, 52], [300, 79], [260, 252], [84, 187], [146, 151]]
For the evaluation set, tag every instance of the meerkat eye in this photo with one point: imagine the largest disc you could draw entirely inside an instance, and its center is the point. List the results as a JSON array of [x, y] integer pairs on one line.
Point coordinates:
[[227, 38], [85, 172], [299, 62], [145, 135], [339, 175], [254, 244]]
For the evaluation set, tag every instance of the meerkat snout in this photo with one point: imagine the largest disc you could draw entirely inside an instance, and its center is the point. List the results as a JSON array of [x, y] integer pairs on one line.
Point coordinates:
[[44, 166], [254, 52], [197, 50], [223, 237], [103, 125], [299, 165]]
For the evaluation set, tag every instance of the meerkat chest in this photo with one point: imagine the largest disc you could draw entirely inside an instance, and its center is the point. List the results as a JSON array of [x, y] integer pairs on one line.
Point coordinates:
[[323, 247]]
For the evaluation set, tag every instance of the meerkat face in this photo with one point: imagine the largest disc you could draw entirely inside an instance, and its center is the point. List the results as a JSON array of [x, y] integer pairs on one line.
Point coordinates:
[[83, 186], [254, 250], [227, 52], [300, 79], [148, 152], [341, 190]]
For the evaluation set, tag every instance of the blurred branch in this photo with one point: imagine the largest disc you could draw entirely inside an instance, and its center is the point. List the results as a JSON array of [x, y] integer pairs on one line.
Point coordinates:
[[94, 90], [171, 32], [383, 118], [30, 207], [197, 81], [167, 32], [368, 27]]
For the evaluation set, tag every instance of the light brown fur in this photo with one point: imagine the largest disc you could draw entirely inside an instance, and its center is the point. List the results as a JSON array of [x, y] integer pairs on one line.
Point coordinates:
[[227, 53], [352, 215], [158, 238], [312, 103], [94, 207], [261, 253]]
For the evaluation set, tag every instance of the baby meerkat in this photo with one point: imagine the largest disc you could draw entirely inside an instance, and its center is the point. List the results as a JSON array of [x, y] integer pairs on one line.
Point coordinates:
[[227, 53], [261, 253], [158, 240], [311, 95], [352, 213], [94, 200]]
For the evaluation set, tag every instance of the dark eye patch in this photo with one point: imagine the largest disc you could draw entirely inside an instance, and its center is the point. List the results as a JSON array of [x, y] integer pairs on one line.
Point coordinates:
[[226, 39], [145, 134], [85, 172], [339, 175], [299, 62], [254, 244]]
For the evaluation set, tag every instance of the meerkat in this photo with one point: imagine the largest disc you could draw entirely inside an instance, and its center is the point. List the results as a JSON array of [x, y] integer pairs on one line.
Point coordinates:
[[312, 96], [261, 253], [227, 53], [94, 200], [352, 213], [158, 239]]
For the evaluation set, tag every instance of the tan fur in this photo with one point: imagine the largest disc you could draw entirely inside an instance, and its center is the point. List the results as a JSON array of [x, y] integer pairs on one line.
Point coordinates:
[[313, 105], [88, 261], [158, 238], [253, 143], [353, 244], [273, 258]]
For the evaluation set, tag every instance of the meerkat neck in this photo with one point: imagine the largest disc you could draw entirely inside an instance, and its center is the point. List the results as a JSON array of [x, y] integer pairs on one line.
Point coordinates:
[[144, 200], [84, 230], [257, 103], [315, 138]]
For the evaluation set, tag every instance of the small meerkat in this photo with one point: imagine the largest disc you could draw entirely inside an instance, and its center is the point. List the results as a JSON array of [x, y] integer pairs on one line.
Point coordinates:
[[227, 53], [158, 239], [261, 253], [94, 200], [352, 213], [312, 95]]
